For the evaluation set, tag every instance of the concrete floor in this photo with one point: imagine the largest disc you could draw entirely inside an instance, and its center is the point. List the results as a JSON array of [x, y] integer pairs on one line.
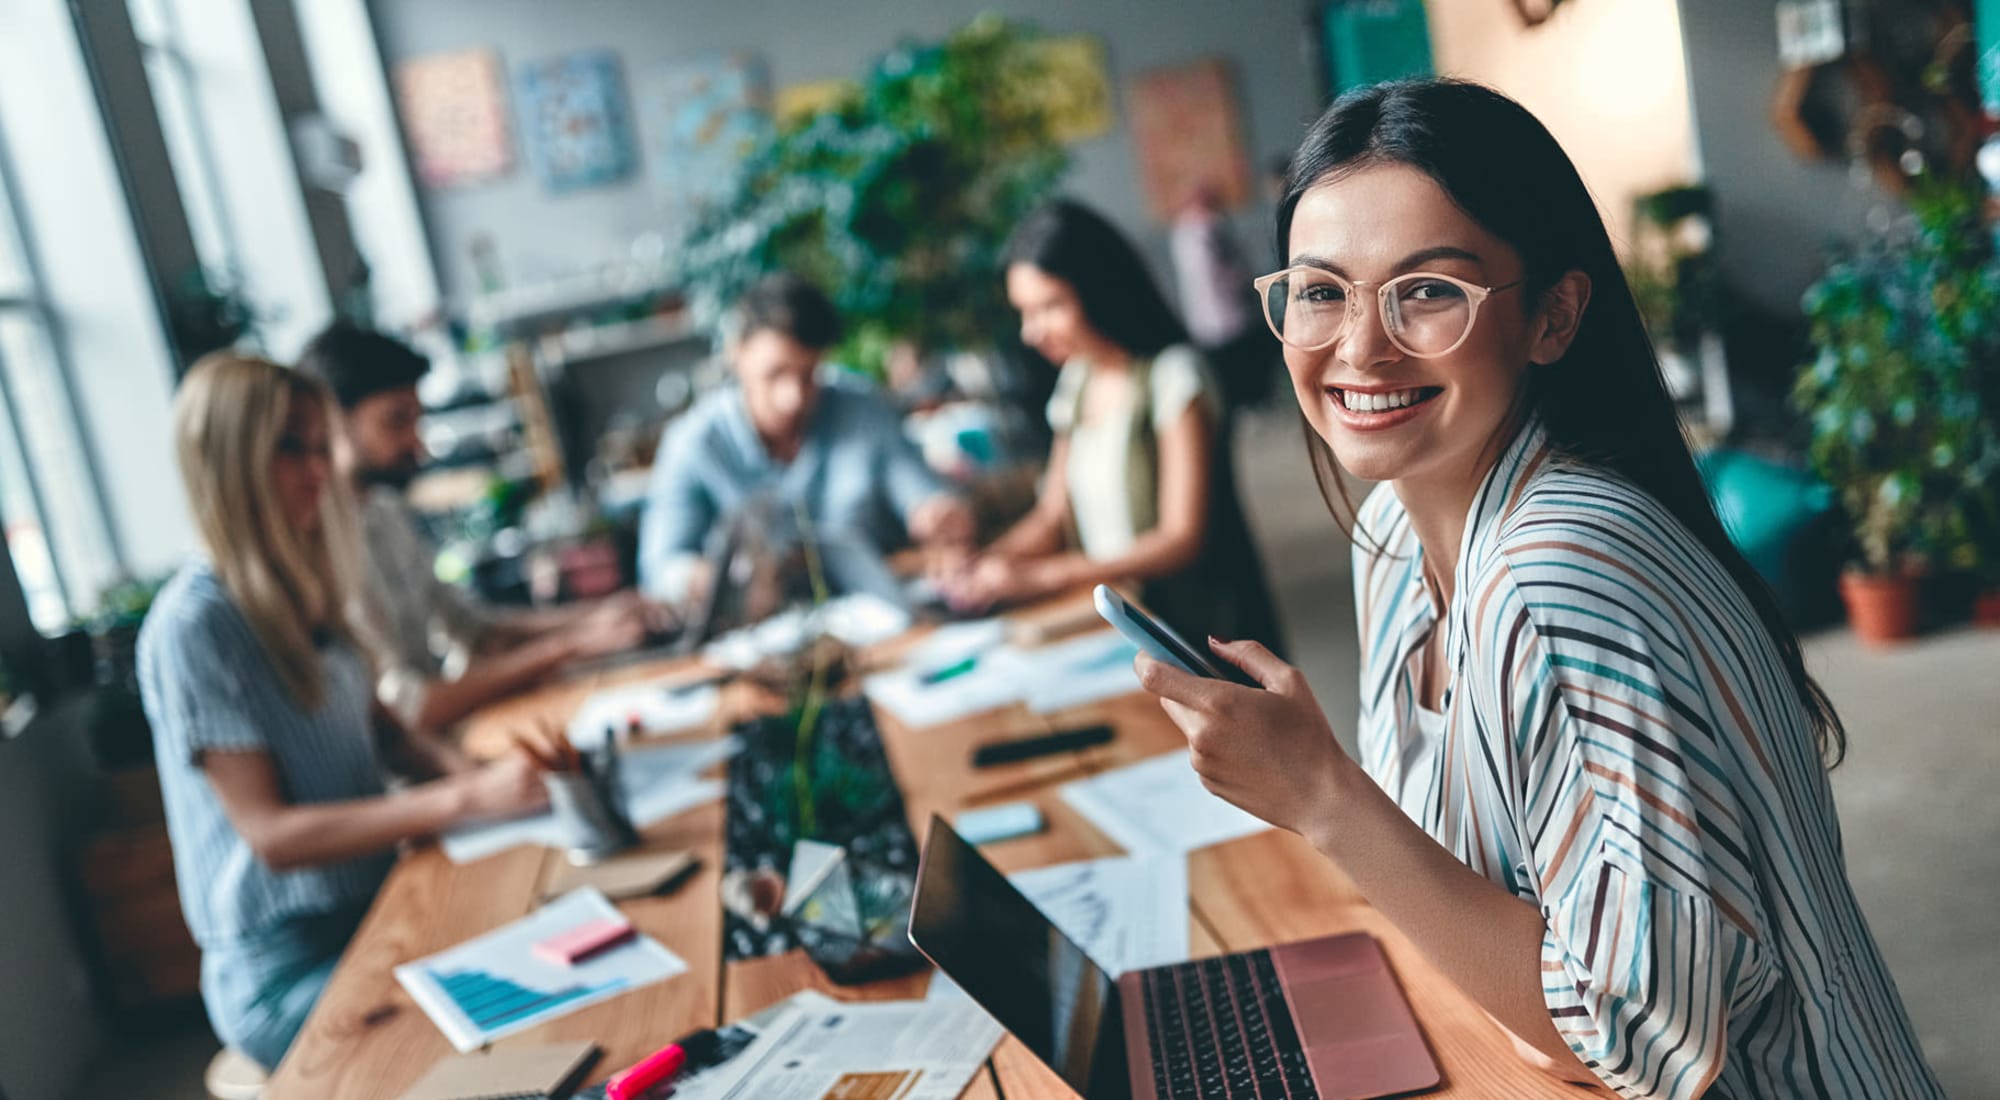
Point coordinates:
[[1920, 821]]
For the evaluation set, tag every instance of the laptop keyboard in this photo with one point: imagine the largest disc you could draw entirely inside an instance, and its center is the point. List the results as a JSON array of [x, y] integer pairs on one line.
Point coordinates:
[[1220, 1028]]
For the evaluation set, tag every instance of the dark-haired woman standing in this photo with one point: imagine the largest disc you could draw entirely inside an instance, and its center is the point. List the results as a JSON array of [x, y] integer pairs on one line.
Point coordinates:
[[1140, 484], [1590, 784]]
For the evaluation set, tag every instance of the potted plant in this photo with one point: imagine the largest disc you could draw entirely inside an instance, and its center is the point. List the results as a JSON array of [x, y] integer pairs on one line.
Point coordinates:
[[898, 196], [1906, 332]]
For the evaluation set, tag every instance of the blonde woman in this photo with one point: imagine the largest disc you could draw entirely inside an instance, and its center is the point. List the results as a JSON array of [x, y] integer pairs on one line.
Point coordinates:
[[261, 708]]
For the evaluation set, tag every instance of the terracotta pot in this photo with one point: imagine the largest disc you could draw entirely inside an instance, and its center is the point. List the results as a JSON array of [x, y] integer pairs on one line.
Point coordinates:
[[1881, 609], [1986, 608]]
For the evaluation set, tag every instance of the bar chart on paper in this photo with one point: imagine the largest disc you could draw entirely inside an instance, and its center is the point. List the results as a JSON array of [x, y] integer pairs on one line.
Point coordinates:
[[491, 1001], [495, 985]]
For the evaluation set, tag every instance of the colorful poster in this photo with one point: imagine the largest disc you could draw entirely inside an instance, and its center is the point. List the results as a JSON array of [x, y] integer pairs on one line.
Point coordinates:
[[805, 100], [1075, 88], [577, 124], [454, 116], [1184, 122], [700, 118]]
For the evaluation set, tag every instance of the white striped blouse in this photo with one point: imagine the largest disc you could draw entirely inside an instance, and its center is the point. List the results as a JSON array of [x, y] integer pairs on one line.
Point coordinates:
[[1622, 748]]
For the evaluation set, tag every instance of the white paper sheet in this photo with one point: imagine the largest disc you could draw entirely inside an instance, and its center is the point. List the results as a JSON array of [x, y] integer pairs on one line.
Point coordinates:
[[912, 1050], [1079, 671], [1126, 912], [657, 709], [660, 781], [1046, 678], [995, 681], [1158, 806], [860, 619], [495, 985]]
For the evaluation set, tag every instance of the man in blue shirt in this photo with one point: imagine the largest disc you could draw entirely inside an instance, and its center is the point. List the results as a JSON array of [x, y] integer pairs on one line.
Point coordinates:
[[785, 438]]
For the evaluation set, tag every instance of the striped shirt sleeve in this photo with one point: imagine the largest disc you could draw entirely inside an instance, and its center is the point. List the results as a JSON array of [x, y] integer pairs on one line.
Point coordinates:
[[204, 685], [1653, 937]]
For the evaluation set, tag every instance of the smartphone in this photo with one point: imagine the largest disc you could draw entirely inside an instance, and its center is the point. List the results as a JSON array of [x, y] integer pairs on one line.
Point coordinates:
[[1158, 640]]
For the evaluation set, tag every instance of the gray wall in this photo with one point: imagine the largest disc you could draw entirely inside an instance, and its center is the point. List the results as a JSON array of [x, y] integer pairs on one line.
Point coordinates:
[[1776, 212], [803, 41]]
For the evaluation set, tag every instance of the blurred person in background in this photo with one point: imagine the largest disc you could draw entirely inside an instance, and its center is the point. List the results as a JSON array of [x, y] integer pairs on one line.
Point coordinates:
[[445, 652], [828, 450], [1140, 483], [256, 684]]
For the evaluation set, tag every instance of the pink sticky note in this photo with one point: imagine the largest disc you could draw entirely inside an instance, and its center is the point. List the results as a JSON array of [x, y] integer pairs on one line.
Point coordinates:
[[579, 943]]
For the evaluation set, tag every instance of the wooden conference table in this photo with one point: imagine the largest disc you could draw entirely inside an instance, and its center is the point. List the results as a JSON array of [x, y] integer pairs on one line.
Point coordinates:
[[367, 1040]]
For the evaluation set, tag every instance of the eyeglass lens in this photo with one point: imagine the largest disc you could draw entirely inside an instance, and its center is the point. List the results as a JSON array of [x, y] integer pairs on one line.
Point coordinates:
[[1423, 314]]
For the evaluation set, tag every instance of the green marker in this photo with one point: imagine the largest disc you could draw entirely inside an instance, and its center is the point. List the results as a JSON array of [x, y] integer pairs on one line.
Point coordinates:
[[940, 675]]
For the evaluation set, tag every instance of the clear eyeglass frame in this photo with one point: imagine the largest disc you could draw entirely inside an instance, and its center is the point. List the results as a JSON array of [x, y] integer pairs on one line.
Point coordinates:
[[1475, 296]]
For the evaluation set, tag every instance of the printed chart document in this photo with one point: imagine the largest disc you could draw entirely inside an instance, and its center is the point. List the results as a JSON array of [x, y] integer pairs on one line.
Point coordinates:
[[660, 782], [1158, 806], [495, 985], [1125, 912], [884, 1050]]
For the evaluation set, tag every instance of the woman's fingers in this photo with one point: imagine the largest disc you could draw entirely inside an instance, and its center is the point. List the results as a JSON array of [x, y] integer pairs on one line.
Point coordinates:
[[1253, 658], [1168, 682]]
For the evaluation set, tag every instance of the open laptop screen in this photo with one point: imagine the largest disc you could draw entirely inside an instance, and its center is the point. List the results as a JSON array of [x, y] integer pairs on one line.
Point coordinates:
[[1001, 950]]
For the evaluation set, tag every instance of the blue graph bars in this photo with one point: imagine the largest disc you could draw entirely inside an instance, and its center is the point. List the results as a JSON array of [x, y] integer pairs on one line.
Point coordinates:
[[492, 1002]]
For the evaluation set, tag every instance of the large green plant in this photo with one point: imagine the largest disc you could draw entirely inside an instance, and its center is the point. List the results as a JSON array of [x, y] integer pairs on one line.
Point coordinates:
[[1901, 396], [896, 198]]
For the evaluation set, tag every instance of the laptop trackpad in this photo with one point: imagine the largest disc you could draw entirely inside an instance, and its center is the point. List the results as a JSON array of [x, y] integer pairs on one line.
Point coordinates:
[[1344, 1009]]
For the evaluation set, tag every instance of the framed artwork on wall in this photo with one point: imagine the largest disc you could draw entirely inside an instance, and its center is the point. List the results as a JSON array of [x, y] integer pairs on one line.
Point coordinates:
[[1189, 136], [577, 124], [454, 112], [700, 117]]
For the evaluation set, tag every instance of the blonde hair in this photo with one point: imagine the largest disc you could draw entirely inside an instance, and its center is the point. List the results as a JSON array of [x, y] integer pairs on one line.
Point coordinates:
[[294, 587]]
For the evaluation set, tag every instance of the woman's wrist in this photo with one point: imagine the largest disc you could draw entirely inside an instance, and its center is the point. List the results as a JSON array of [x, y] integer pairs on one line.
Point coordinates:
[[1350, 797]]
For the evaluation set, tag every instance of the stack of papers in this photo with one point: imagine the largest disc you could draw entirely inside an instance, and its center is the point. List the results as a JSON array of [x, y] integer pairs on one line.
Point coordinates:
[[819, 1049], [1158, 806], [965, 669], [660, 782], [495, 985]]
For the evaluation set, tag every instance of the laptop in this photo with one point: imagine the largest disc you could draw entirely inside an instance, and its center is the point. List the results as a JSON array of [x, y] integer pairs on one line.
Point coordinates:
[[1318, 1019]]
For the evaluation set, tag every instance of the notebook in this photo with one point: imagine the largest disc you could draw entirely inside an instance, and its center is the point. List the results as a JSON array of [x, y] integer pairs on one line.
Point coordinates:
[[629, 875], [550, 1072]]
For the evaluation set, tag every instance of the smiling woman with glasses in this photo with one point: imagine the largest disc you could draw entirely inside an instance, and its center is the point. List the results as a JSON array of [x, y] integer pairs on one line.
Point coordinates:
[[1591, 782]]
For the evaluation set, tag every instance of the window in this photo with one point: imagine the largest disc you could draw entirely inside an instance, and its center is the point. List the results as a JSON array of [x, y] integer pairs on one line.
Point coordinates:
[[171, 74], [56, 528]]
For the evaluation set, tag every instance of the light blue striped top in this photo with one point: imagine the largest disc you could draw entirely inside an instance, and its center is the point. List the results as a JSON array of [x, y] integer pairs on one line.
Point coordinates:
[[1622, 748], [209, 687]]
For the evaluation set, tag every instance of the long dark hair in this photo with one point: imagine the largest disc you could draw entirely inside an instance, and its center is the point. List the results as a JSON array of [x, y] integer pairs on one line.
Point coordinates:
[[1604, 401], [1121, 301]]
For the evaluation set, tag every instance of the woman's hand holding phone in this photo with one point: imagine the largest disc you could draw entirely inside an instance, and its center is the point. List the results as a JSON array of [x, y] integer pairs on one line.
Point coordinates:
[[1270, 751]]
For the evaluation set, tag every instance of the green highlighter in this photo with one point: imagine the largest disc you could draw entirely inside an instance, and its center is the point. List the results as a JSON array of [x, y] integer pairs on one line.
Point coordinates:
[[940, 675]]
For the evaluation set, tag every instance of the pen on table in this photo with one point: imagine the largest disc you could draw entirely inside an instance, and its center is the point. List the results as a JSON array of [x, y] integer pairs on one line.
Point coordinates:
[[940, 675]]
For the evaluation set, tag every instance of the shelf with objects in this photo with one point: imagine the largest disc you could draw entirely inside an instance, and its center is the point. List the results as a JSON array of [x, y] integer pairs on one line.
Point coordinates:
[[516, 420]]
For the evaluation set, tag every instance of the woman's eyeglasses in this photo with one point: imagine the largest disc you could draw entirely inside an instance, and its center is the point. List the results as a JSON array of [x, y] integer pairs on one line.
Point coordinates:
[[1425, 314]]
